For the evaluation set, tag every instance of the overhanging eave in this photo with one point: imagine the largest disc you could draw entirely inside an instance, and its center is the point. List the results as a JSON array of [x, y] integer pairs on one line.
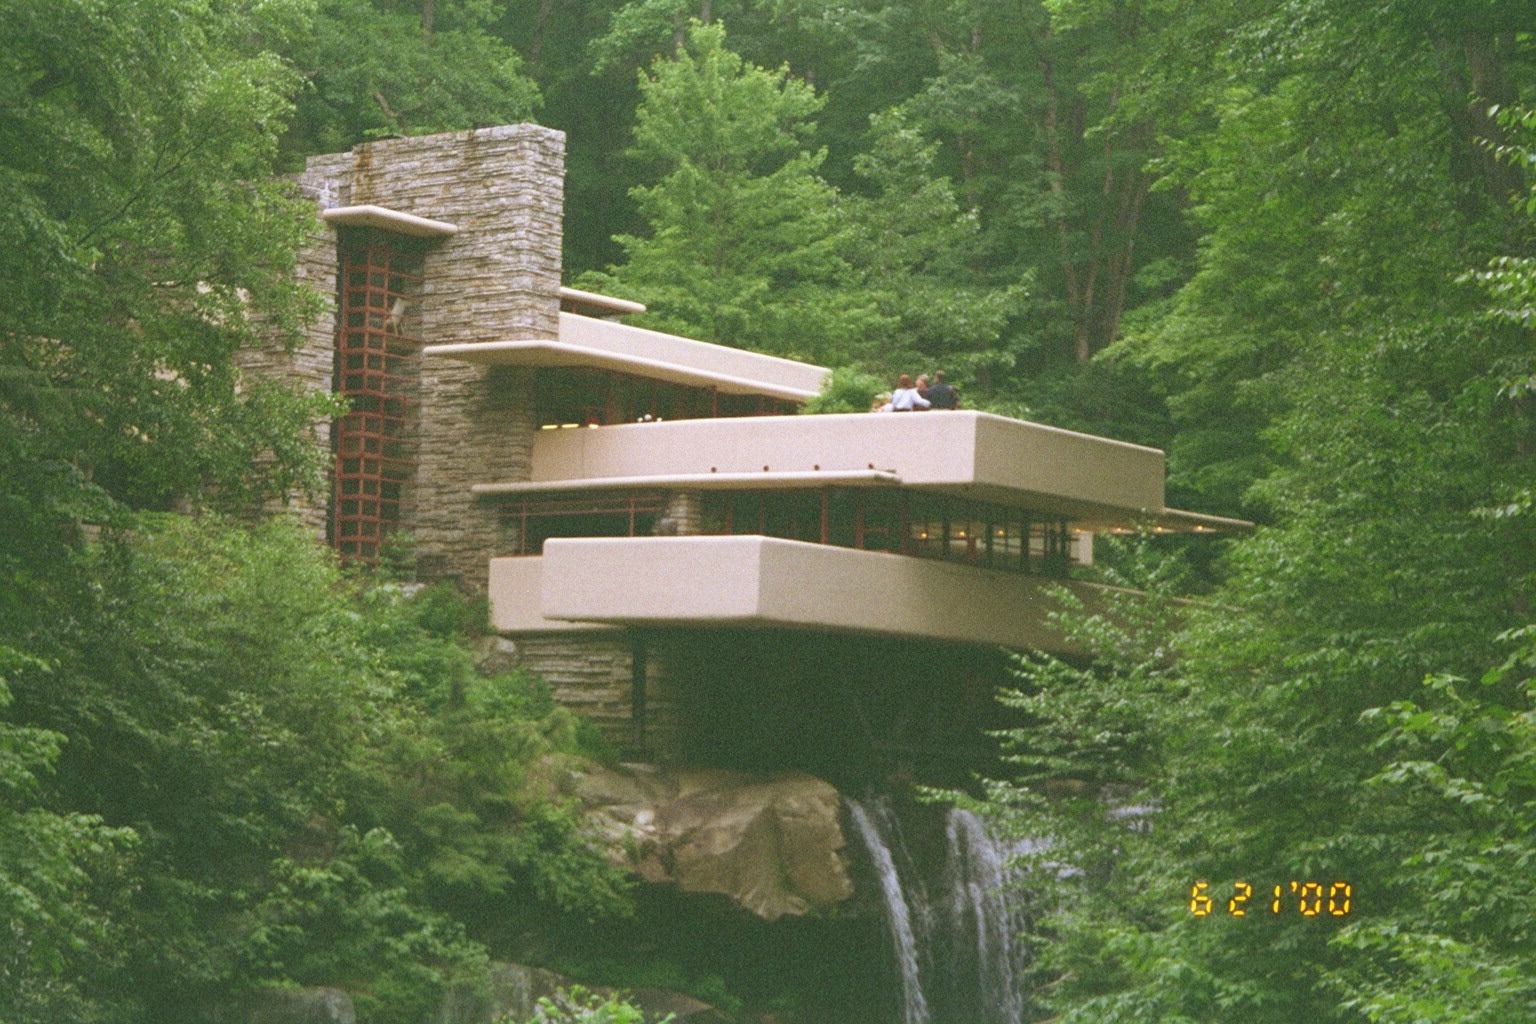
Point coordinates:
[[388, 220], [545, 352]]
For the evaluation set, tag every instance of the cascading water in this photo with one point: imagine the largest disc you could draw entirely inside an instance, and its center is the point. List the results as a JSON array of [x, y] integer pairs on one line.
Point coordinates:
[[875, 825], [984, 924], [956, 932]]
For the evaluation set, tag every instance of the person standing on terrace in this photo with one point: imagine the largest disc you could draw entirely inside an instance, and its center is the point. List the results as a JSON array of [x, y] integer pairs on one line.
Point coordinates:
[[905, 398]]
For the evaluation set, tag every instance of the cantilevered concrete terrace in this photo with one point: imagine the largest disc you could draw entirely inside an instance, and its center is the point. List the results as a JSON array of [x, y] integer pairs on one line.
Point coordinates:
[[994, 509], [1096, 483], [977, 466], [763, 581]]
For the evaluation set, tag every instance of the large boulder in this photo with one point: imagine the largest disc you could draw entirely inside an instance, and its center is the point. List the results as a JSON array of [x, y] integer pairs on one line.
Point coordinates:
[[773, 845]]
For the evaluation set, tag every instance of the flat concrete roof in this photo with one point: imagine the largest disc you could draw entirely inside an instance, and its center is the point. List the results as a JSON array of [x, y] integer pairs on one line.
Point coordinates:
[[605, 305], [604, 344], [703, 482]]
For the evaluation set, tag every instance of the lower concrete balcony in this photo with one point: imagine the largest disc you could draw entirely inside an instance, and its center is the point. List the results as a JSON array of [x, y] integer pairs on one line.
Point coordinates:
[[764, 581]]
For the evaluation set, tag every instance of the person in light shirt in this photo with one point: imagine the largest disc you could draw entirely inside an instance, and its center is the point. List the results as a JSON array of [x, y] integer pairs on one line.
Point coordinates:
[[905, 398]]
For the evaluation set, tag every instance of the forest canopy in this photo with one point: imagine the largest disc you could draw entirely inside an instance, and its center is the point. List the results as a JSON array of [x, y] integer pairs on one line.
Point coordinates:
[[1289, 242]]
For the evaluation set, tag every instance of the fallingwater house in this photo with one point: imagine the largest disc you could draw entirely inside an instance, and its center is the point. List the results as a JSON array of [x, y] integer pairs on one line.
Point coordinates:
[[700, 571]]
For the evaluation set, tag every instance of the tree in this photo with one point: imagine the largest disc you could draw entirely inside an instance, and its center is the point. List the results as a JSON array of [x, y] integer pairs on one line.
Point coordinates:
[[188, 710], [273, 776], [578, 1006], [1039, 116], [57, 934], [1048, 119], [743, 246], [1318, 723], [1461, 750], [142, 242], [911, 248], [143, 235], [387, 67], [1326, 173]]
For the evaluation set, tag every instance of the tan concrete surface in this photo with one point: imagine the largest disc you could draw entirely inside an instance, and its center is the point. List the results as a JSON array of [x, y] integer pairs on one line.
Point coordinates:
[[970, 454], [768, 582], [516, 592], [604, 344]]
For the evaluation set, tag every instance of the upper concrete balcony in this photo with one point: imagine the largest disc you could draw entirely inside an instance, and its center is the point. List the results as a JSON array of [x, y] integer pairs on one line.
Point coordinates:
[[1095, 482]]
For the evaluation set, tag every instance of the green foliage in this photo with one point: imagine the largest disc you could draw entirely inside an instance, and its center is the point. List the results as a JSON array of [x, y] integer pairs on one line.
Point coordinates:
[[378, 68], [1464, 763], [316, 784], [1335, 210], [655, 972], [141, 232], [143, 244], [647, 29], [213, 749], [1459, 760], [993, 214], [846, 389], [743, 235], [578, 1006], [352, 917], [1295, 736], [56, 932], [916, 251], [1099, 728]]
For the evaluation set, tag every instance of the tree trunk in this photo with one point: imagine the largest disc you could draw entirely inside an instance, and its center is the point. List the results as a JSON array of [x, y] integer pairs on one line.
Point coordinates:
[[540, 25], [1471, 70], [1055, 166]]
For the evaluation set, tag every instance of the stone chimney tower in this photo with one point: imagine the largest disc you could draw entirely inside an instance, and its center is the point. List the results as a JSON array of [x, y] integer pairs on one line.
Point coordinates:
[[440, 239]]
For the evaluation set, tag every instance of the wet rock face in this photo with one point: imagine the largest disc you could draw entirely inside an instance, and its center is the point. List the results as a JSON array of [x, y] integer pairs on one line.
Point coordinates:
[[772, 845]]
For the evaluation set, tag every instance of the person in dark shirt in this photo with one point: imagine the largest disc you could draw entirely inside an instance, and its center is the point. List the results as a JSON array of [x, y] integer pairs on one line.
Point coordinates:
[[941, 395]]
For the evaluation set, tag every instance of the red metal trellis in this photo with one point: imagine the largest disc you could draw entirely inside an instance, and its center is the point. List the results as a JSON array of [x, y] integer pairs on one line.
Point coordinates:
[[378, 350]]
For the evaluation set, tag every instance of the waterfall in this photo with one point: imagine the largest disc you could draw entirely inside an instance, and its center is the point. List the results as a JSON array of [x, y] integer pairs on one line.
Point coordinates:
[[956, 927], [898, 916], [984, 922]]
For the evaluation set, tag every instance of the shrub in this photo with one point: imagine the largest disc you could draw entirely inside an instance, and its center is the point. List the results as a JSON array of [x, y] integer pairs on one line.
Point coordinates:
[[579, 1006]]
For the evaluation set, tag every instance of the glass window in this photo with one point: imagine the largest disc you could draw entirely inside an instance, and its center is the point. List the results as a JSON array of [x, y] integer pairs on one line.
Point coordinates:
[[530, 522]]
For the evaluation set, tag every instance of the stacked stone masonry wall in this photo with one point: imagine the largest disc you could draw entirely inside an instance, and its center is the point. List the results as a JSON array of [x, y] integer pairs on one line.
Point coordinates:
[[591, 673], [685, 510], [310, 365], [497, 279]]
